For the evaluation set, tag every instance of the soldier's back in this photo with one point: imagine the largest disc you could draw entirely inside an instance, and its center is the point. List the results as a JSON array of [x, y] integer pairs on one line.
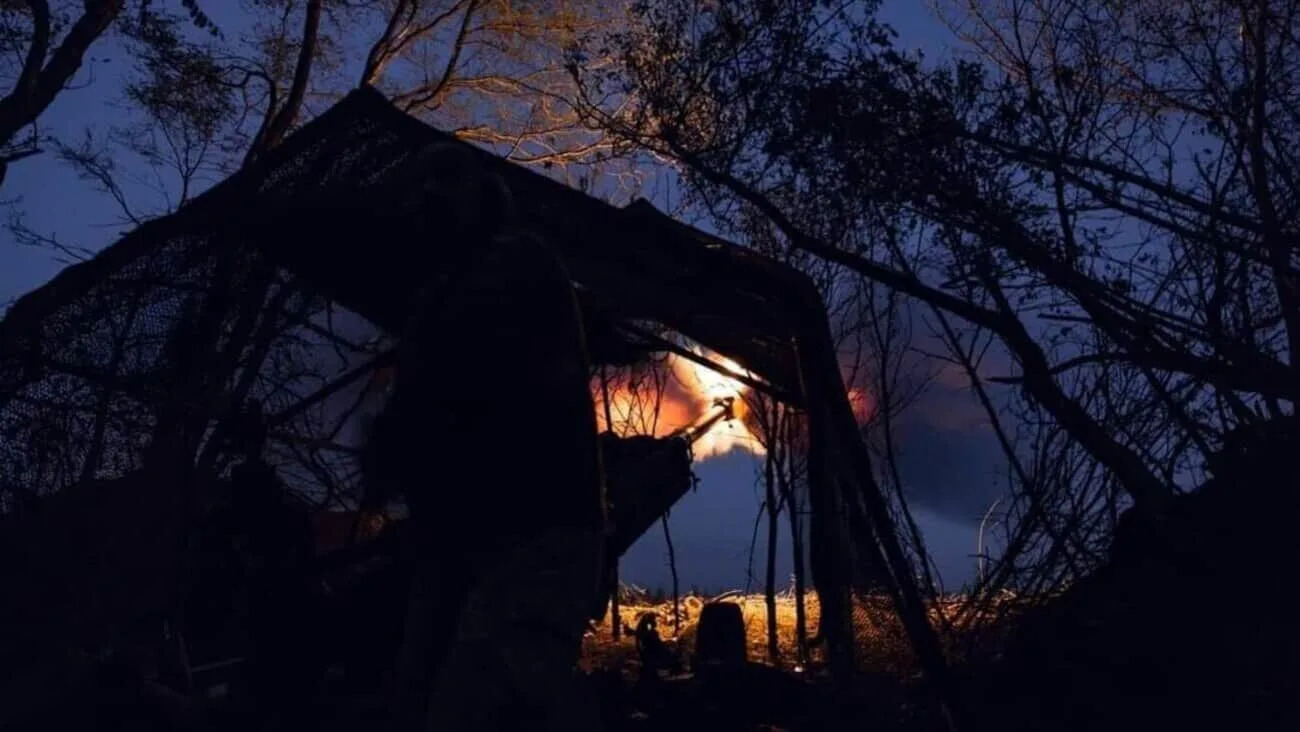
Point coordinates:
[[497, 390]]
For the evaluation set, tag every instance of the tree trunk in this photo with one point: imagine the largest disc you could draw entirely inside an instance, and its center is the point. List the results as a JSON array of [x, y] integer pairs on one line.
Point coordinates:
[[615, 618], [797, 556], [42, 79], [827, 562], [278, 122], [672, 568], [769, 587]]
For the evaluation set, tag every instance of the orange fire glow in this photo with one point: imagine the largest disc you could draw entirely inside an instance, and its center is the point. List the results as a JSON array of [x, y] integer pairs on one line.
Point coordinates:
[[864, 407], [687, 396], [708, 387]]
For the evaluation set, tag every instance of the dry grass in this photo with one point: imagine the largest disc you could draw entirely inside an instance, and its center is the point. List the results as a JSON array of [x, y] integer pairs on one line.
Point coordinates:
[[881, 644]]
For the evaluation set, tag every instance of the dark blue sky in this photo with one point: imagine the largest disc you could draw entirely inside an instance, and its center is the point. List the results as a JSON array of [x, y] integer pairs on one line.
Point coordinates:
[[949, 463]]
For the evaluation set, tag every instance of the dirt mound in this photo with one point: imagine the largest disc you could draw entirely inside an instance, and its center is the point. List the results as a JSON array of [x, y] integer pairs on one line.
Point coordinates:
[[1187, 624]]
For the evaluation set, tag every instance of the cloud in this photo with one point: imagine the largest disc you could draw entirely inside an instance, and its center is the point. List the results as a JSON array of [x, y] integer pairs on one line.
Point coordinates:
[[951, 410], [951, 544], [949, 457], [951, 376]]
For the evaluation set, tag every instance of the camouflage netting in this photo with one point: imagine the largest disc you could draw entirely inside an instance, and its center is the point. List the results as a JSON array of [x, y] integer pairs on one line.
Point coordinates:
[[257, 289], [86, 365], [84, 388]]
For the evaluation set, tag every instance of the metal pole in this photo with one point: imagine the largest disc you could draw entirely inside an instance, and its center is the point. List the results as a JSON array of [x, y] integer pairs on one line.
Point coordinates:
[[979, 541]]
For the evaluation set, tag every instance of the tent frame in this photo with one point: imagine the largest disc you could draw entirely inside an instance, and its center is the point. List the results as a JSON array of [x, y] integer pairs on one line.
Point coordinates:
[[632, 264]]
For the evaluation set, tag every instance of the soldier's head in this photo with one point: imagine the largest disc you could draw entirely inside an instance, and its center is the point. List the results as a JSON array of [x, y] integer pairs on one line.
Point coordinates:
[[466, 207], [462, 195]]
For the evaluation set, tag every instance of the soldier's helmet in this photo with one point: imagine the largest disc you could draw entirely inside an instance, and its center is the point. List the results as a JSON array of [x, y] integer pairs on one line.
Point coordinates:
[[453, 175]]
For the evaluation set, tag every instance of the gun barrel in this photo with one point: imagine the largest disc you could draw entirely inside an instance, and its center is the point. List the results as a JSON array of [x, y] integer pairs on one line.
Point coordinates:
[[723, 410]]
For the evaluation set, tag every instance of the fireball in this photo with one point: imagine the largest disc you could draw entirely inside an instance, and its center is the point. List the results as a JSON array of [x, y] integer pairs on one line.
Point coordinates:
[[710, 390], [692, 394]]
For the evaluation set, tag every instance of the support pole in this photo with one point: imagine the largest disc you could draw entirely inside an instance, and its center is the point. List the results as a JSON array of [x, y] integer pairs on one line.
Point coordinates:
[[615, 618], [829, 579], [835, 434], [868, 511]]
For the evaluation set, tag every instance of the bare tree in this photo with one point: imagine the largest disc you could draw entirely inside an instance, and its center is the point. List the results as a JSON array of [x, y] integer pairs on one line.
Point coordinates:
[[50, 52], [632, 400], [872, 334], [490, 71], [44, 46], [1102, 197]]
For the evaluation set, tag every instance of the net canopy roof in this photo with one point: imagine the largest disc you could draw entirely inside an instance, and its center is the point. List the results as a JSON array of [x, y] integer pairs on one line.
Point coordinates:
[[631, 263]]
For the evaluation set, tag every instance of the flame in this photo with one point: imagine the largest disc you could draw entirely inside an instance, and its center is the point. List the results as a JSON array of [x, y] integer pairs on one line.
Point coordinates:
[[690, 395], [634, 412], [708, 387]]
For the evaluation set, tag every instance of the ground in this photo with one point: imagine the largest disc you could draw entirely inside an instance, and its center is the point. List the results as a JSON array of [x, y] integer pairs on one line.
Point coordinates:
[[761, 695], [787, 694]]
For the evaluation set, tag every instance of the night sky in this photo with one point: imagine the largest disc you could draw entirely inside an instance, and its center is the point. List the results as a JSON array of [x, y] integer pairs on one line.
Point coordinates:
[[949, 464]]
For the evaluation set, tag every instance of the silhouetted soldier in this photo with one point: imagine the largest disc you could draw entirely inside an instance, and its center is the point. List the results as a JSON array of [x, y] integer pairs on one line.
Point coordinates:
[[654, 653], [275, 546], [491, 430]]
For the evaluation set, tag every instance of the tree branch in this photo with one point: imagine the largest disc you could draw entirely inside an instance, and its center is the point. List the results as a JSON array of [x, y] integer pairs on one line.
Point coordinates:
[[37, 90]]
